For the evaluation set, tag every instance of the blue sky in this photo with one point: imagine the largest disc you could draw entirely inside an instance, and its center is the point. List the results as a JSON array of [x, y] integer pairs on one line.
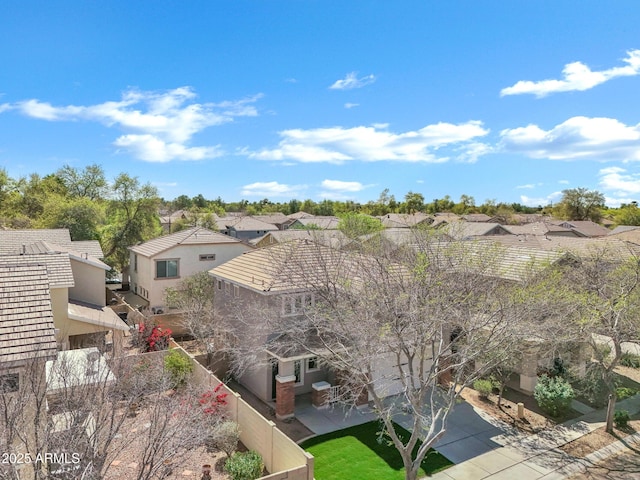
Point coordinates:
[[506, 100]]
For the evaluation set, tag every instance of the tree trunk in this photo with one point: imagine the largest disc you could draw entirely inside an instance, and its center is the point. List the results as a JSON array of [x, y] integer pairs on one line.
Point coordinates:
[[611, 408]]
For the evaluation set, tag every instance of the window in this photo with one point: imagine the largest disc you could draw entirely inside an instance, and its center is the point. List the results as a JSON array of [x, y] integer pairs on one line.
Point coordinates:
[[166, 268], [135, 262], [227, 288], [298, 372], [206, 257], [312, 364], [236, 291], [9, 383], [219, 284], [296, 304]]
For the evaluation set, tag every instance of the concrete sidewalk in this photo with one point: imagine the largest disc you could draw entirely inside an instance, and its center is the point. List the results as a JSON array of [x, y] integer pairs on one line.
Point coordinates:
[[527, 457]]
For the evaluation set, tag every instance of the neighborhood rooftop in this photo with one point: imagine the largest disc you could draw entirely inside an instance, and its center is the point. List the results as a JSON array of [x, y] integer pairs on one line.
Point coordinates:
[[191, 236], [26, 318]]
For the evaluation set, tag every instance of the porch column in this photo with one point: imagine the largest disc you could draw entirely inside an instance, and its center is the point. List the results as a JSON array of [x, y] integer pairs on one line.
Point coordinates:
[[529, 371], [285, 390], [320, 394]]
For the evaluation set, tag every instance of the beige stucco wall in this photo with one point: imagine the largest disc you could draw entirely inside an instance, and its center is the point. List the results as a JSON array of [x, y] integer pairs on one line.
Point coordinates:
[[89, 283], [189, 263], [60, 308]]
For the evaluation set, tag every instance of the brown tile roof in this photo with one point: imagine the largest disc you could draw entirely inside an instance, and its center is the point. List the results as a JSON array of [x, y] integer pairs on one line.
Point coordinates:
[[191, 236], [26, 319], [404, 220], [326, 223], [273, 269], [329, 238], [248, 224], [58, 266], [578, 245], [586, 228], [12, 241]]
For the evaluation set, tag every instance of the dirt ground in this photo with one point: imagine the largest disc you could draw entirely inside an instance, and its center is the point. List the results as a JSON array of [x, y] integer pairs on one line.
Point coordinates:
[[623, 466], [532, 423]]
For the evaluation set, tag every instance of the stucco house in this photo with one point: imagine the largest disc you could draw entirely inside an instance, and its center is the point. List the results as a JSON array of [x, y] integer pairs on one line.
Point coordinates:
[[162, 262], [76, 285], [27, 342]]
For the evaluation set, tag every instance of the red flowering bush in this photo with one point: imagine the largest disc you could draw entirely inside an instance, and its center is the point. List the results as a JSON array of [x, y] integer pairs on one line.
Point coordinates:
[[152, 338], [212, 402]]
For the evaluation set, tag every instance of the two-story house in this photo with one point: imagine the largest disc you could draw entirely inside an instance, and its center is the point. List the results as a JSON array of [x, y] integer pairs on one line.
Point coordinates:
[[162, 262], [76, 281]]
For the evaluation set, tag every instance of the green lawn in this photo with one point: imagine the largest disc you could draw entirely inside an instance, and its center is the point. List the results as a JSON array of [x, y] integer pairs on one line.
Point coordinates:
[[355, 453]]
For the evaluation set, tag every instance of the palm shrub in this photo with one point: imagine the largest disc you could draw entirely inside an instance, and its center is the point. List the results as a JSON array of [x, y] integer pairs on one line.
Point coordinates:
[[244, 465], [553, 394]]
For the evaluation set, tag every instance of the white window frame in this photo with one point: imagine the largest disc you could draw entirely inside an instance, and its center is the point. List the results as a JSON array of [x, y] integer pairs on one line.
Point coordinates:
[[295, 304], [308, 361], [177, 262], [299, 365], [236, 291]]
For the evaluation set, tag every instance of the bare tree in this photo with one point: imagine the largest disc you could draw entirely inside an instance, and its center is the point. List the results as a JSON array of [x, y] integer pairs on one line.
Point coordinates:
[[607, 284], [194, 297], [413, 328], [75, 416]]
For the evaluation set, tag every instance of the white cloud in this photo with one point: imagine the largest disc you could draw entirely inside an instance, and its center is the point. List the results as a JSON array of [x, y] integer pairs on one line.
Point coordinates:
[[563, 182], [351, 105], [159, 125], [577, 138], [338, 185], [576, 76], [535, 201], [374, 143], [352, 81], [272, 189], [617, 179], [527, 186], [153, 149]]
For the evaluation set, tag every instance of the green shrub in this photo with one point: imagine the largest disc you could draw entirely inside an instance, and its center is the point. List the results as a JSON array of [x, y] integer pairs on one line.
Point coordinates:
[[625, 392], [630, 360], [179, 367], [621, 418], [484, 387], [244, 465], [553, 395]]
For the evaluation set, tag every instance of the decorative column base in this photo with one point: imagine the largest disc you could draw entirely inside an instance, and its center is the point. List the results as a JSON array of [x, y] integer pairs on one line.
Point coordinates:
[[285, 396], [320, 394]]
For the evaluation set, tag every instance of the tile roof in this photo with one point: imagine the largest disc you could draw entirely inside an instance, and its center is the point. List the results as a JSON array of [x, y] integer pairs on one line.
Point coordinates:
[[12, 240], [248, 224], [578, 245], [404, 220], [40, 247], [191, 236], [330, 238], [58, 266], [586, 227], [266, 269], [326, 223], [26, 318]]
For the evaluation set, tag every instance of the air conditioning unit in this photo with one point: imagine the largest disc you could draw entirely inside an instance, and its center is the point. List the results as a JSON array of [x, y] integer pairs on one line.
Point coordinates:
[[157, 310]]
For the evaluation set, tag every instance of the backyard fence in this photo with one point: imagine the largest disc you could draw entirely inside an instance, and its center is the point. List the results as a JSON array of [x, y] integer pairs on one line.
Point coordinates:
[[280, 454]]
